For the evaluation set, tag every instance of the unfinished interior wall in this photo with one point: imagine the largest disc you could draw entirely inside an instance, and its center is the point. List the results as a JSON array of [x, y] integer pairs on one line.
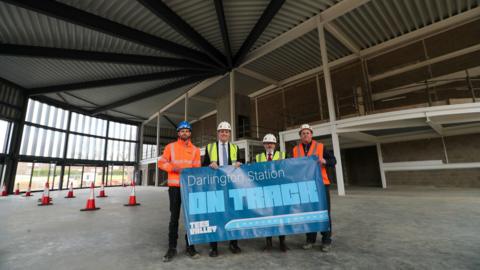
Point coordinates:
[[270, 114], [361, 166], [204, 131], [289, 107], [349, 90], [441, 83], [356, 87], [301, 103], [243, 108], [432, 149]]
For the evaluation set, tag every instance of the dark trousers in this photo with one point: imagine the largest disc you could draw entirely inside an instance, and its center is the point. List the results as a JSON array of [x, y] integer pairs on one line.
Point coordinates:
[[281, 238], [175, 206], [214, 245], [326, 236]]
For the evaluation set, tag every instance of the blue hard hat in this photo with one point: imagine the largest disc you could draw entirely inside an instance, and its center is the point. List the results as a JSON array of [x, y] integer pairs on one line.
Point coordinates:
[[184, 125]]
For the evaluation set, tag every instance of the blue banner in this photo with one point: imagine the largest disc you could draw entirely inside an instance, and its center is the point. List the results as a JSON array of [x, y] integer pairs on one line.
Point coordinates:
[[256, 200]]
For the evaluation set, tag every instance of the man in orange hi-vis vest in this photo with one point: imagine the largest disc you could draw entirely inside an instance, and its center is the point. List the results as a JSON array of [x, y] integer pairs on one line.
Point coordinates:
[[177, 156], [310, 147]]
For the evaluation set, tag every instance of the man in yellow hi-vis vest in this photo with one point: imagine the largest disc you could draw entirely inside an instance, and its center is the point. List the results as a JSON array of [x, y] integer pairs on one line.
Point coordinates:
[[269, 142], [222, 153]]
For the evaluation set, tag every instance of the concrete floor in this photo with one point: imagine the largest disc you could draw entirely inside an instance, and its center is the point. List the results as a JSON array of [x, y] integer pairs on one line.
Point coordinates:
[[398, 228]]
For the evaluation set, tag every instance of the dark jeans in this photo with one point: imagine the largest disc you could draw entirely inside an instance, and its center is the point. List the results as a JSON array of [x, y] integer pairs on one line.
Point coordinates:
[[214, 245], [281, 238], [326, 236], [175, 206]]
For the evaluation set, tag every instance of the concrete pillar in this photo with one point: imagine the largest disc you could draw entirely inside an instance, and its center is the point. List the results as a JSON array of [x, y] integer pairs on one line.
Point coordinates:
[[11, 161], [331, 109], [256, 119], [232, 105], [139, 156], [186, 107], [380, 165], [158, 150]]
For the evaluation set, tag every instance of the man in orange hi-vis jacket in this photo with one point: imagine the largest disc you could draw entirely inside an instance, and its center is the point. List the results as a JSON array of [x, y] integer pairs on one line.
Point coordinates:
[[177, 156], [310, 147]]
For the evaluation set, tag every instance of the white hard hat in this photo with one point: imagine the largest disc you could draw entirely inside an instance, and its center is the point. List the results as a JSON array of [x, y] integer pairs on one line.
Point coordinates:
[[305, 126], [224, 126], [269, 138]]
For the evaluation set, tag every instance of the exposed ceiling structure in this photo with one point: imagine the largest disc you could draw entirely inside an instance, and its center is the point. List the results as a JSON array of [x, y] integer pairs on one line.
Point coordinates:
[[129, 59]]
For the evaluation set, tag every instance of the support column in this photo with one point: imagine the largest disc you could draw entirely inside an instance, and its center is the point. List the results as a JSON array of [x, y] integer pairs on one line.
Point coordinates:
[[256, 118], [11, 160], [186, 107], [232, 106], [157, 150], [470, 86], [139, 155], [319, 93], [331, 109], [380, 165], [445, 150], [105, 154]]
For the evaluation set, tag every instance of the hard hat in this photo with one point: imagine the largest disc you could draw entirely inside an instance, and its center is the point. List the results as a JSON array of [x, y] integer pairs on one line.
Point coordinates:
[[269, 138], [224, 126], [305, 126], [184, 125]]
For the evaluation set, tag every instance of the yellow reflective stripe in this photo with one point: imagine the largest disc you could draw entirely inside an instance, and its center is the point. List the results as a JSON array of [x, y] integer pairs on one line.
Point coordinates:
[[172, 152], [178, 161]]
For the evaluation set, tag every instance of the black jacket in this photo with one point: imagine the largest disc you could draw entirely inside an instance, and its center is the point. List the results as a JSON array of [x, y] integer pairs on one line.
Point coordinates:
[[206, 159], [330, 159]]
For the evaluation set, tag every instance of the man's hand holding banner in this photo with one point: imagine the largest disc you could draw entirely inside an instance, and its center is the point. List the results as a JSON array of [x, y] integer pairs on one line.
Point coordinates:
[[256, 200]]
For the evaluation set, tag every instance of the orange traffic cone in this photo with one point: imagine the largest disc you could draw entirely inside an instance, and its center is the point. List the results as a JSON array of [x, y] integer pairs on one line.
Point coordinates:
[[4, 191], [102, 192], [91, 200], [48, 195], [132, 200], [29, 192], [70, 192], [17, 191], [46, 200]]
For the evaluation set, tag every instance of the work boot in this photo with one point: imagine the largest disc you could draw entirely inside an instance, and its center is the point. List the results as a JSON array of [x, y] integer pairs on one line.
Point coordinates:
[[171, 252], [325, 248], [234, 248], [307, 246], [268, 244], [213, 252], [283, 246], [192, 252]]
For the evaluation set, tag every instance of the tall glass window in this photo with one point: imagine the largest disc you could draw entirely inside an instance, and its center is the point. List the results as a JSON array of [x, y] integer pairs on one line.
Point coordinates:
[[4, 136], [83, 147]]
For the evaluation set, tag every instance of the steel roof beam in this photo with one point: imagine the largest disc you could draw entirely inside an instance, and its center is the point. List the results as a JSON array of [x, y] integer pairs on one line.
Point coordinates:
[[82, 18], [80, 55], [224, 30], [115, 81], [178, 24], [262, 23], [156, 91]]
